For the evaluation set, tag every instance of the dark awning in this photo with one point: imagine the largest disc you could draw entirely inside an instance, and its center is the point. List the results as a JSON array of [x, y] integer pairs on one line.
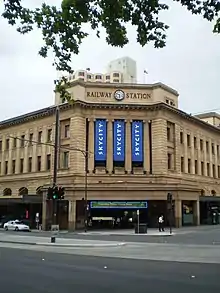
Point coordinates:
[[25, 199], [209, 198]]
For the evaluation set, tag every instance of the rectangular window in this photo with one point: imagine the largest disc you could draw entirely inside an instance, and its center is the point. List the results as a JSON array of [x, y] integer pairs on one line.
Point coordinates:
[[7, 142], [213, 149], [14, 142], [0, 145], [39, 163], [181, 137], [189, 165], [207, 146], [213, 171], [30, 164], [0, 167], [48, 162], [21, 165], [13, 166], [49, 135], [67, 131], [195, 142], [31, 138], [188, 140], [6, 167], [218, 171], [39, 140], [66, 160], [202, 168], [201, 144], [168, 134], [22, 141], [196, 167], [208, 170], [218, 150], [182, 164]]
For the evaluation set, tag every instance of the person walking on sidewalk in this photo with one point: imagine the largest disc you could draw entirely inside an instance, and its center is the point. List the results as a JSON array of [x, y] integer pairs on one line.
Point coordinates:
[[161, 223]]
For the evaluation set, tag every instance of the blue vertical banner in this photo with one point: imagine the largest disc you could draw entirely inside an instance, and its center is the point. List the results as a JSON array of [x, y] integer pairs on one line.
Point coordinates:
[[119, 141], [100, 140], [137, 141]]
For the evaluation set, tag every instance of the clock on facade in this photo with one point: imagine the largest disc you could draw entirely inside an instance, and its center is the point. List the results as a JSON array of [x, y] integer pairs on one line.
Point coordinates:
[[119, 95]]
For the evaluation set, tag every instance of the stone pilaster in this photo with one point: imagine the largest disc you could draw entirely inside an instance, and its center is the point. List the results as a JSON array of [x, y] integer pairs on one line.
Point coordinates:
[[128, 146], [91, 146], [109, 163], [146, 147], [72, 216], [178, 213], [159, 140]]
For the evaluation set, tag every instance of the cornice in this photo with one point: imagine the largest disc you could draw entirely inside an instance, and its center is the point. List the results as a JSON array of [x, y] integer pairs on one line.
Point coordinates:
[[46, 112]]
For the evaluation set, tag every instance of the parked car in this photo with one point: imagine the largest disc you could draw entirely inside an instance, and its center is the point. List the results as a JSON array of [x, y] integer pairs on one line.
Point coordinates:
[[16, 226]]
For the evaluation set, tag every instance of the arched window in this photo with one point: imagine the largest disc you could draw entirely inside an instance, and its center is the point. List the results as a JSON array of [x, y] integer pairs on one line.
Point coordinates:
[[7, 191], [39, 190], [202, 192], [23, 191], [213, 192]]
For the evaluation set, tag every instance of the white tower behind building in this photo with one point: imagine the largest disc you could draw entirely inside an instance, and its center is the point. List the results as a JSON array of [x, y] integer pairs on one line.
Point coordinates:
[[126, 66]]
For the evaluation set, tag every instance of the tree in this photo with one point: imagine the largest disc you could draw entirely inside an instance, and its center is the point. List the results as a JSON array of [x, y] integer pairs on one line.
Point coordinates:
[[62, 28]]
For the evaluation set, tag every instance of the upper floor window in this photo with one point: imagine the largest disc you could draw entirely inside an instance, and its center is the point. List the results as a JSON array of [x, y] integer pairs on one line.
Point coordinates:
[[213, 149], [98, 77], [115, 80], [67, 131], [115, 74], [49, 135], [7, 143], [66, 160], [31, 138], [81, 73], [22, 141], [168, 134], [188, 140], [207, 146], [107, 77], [6, 167], [181, 137], [39, 140], [39, 163], [48, 162], [0, 145], [13, 166], [89, 76], [21, 165], [201, 144], [195, 142], [14, 142]]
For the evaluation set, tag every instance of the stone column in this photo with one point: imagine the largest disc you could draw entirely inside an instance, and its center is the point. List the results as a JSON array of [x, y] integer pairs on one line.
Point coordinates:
[[91, 146], [210, 158], [177, 149], [109, 163], [192, 154], [72, 215], [199, 155], [146, 148], [18, 151], [196, 213], [10, 156], [185, 152], [178, 213], [128, 147]]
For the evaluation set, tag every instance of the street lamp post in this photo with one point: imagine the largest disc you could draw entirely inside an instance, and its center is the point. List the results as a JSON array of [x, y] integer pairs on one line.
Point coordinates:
[[86, 192]]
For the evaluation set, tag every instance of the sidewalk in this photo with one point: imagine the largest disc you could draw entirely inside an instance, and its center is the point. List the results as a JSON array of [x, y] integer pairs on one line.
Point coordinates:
[[60, 242], [151, 232]]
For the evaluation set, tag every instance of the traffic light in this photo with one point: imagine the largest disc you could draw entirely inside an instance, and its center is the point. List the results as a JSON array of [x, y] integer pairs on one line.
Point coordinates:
[[55, 192], [61, 192], [50, 193], [169, 197]]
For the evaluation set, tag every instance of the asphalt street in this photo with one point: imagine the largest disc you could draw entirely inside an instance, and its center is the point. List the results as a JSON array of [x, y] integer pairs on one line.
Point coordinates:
[[206, 235], [37, 272]]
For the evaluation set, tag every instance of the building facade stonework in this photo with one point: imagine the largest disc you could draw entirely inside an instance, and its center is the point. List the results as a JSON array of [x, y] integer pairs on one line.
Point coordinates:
[[181, 153]]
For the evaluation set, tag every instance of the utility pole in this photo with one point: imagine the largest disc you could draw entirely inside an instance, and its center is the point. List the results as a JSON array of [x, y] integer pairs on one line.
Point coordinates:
[[56, 149], [86, 189]]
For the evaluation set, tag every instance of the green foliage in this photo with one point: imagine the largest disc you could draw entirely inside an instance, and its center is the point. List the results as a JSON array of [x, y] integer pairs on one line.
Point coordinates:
[[62, 28]]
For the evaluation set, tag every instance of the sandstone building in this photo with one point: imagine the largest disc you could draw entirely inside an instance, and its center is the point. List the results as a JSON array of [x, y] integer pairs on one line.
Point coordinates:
[[140, 145]]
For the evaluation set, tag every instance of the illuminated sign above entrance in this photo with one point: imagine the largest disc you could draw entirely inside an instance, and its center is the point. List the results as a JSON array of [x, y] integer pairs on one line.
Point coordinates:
[[119, 95], [118, 205]]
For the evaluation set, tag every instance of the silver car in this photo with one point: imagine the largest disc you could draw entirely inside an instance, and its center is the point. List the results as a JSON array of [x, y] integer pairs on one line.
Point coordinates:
[[16, 226]]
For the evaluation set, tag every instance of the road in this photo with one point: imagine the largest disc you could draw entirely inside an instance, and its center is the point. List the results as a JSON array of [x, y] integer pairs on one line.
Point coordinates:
[[203, 235], [38, 272]]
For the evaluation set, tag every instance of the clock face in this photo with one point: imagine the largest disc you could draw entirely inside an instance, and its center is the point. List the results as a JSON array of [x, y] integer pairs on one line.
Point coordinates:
[[119, 95]]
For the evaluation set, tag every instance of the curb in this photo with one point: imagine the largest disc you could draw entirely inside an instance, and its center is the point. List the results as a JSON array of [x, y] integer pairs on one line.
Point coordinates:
[[64, 244], [80, 245], [112, 234]]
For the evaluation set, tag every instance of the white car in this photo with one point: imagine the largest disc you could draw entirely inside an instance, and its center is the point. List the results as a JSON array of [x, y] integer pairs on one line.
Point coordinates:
[[16, 226]]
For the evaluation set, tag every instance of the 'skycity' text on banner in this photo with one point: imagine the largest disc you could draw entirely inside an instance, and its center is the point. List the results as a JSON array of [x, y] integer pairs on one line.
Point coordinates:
[[119, 141], [137, 141], [100, 140]]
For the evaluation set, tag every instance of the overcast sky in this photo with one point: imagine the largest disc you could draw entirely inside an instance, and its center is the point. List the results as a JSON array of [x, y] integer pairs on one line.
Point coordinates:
[[190, 64]]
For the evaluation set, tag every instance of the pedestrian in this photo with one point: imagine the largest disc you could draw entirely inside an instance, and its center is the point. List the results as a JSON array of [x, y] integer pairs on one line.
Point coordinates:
[[161, 223]]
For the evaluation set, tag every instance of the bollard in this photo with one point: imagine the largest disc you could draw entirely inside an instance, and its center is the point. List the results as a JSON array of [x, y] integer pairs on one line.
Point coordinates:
[[53, 239]]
